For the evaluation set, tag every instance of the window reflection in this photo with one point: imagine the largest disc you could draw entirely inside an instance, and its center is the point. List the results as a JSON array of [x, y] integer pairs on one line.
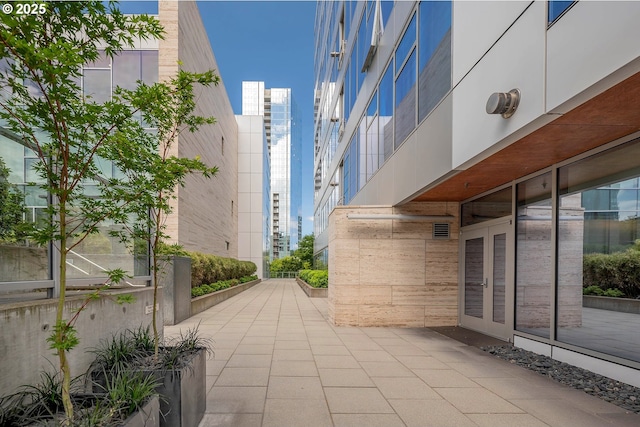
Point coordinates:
[[598, 252], [534, 265]]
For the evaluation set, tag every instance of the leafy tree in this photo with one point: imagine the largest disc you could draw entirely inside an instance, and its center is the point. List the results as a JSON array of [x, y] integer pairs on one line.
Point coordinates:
[[11, 207], [305, 250], [288, 263], [41, 57], [168, 107]]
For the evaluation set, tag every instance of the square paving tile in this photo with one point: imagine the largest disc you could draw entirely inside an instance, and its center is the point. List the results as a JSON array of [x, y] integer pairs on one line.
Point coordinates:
[[506, 420], [351, 400], [295, 413], [345, 378], [279, 354], [404, 388], [386, 369], [295, 388], [330, 361], [231, 420], [254, 349], [335, 350], [243, 377], [294, 368], [238, 400], [372, 356], [477, 400], [444, 378], [421, 362], [367, 420], [249, 361], [292, 345], [430, 413]]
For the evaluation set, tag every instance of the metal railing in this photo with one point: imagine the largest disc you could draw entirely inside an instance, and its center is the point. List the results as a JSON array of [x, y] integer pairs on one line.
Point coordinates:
[[284, 274]]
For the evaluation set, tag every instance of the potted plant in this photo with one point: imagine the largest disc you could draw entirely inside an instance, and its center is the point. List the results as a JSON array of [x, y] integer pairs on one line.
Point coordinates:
[[127, 399], [179, 369]]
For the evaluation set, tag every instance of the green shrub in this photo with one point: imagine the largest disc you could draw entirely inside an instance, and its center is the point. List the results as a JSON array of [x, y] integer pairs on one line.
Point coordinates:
[[315, 278], [616, 293], [207, 268], [592, 290], [620, 270], [219, 285]]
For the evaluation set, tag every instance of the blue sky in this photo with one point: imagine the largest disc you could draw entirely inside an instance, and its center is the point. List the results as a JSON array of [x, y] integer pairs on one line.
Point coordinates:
[[270, 41]]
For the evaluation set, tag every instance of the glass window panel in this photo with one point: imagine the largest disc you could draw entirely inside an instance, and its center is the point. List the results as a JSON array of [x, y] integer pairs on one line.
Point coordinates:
[[474, 277], [405, 112], [21, 260], [97, 85], [373, 154], [386, 113], [491, 206], [149, 70], [406, 43], [534, 250], [35, 196], [386, 7], [12, 154], [557, 7], [362, 148], [102, 61], [372, 109], [127, 69], [364, 41], [499, 276], [434, 80], [597, 248], [31, 174]]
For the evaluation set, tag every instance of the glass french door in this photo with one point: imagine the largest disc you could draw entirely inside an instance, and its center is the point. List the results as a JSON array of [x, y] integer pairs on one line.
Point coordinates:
[[487, 280]]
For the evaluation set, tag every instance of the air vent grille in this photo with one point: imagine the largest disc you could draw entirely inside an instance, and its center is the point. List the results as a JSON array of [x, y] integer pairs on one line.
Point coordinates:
[[441, 231]]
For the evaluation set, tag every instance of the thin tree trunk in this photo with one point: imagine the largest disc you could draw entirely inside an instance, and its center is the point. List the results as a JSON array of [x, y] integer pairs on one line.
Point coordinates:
[[60, 338]]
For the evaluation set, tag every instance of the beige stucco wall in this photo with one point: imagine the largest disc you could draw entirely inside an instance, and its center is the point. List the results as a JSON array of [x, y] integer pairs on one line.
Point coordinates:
[[392, 272], [205, 216]]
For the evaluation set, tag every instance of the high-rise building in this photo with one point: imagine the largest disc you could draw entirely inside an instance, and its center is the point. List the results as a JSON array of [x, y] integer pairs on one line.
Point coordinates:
[[282, 128], [469, 156]]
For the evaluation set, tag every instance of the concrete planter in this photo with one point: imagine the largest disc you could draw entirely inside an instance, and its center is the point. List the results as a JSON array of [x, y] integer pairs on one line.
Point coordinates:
[[200, 304], [311, 291], [147, 416], [623, 305], [183, 393]]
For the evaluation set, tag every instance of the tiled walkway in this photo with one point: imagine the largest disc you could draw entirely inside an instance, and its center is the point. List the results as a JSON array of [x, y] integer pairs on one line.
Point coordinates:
[[278, 362]]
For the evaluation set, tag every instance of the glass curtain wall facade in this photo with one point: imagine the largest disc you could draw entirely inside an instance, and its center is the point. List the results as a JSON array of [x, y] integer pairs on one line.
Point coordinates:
[[415, 79], [583, 245], [282, 127], [22, 261]]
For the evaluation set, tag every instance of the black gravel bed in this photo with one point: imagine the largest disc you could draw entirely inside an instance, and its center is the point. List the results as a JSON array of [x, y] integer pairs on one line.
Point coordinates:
[[616, 392]]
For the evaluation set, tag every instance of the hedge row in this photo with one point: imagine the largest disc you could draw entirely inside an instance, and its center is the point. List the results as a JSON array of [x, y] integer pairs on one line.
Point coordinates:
[[620, 270], [207, 268], [218, 286], [315, 278]]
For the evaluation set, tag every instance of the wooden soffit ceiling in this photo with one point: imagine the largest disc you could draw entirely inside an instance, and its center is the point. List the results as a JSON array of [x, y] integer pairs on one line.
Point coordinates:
[[613, 114]]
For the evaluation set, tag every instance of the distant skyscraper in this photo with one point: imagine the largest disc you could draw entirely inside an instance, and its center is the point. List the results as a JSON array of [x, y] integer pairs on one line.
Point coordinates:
[[282, 127]]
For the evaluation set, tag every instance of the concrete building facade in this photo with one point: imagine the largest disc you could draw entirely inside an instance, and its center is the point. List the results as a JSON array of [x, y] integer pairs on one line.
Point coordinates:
[[463, 151]]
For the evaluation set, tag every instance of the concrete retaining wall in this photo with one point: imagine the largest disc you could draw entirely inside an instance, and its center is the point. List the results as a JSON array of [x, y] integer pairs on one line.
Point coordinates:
[[200, 304], [623, 305], [24, 351], [311, 291]]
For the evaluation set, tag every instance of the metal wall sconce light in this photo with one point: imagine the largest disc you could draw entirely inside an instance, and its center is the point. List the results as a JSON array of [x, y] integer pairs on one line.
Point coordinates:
[[503, 103]]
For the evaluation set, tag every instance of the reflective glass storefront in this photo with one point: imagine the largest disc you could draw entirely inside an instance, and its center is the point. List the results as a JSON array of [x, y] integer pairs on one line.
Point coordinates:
[[578, 254]]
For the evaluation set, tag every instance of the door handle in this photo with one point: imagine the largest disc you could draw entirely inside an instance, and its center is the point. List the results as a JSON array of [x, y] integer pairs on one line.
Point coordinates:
[[486, 282]]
